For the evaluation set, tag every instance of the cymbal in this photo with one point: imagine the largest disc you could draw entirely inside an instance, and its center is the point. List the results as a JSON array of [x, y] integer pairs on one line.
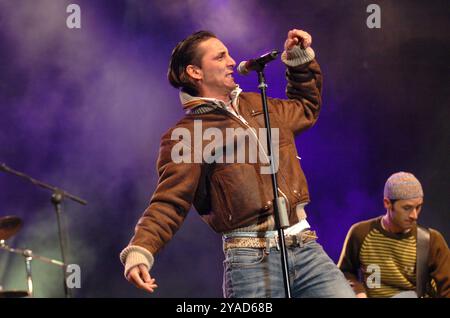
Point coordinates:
[[13, 293], [9, 225]]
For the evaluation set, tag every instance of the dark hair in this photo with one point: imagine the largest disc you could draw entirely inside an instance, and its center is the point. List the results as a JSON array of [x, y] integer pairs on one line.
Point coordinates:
[[184, 54]]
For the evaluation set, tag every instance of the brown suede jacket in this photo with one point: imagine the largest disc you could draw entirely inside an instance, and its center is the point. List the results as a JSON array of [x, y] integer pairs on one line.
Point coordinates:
[[233, 195]]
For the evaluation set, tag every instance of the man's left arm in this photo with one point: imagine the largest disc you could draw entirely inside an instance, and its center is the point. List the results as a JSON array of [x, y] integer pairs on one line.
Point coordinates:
[[304, 87], [439, 263]]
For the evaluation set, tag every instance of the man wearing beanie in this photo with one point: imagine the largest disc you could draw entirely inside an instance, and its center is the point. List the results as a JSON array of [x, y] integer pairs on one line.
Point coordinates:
[[391, 256]]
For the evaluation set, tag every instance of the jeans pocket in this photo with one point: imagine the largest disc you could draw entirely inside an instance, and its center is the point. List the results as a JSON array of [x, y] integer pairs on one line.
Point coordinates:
[[244, 257]]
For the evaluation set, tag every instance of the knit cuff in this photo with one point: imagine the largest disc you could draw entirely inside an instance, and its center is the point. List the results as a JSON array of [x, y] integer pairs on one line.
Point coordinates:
[[297, 56], [134, 255]]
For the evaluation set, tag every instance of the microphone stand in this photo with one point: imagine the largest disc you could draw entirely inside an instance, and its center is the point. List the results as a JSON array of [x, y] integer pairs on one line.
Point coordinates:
[[281, 216], [57, 198]]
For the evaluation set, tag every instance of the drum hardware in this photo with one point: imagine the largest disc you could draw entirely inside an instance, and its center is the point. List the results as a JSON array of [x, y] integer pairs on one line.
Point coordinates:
[[9, 226], [57, 198]]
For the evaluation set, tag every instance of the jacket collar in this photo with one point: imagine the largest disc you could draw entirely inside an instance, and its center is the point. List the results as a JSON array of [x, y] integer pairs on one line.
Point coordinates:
[[190, 102]]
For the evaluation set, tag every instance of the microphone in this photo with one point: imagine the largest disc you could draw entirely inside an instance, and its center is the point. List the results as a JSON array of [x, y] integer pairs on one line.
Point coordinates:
[[257, 64]]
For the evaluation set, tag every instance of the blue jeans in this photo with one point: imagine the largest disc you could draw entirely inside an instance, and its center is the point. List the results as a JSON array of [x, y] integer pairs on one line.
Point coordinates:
[[257, 273]]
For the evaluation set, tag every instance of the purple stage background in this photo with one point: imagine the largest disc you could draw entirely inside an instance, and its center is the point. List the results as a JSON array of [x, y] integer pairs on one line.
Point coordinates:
[[84, 109]]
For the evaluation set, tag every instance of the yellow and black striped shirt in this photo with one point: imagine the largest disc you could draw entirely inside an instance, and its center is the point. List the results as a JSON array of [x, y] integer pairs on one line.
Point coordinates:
[[394, 260]]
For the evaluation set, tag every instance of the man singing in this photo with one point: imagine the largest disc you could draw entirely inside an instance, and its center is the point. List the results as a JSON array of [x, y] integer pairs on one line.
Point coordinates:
[[235, 198]]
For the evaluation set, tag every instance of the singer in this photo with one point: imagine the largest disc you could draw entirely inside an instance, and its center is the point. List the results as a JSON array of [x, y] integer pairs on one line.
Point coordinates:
[[235, 199]]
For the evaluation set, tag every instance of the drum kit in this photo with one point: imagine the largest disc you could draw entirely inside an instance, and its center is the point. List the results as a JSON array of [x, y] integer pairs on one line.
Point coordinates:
[[9, 226]]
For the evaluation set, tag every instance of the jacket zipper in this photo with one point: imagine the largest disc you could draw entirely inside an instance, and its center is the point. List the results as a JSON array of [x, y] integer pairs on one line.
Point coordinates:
[[245, 123], [242, 119]]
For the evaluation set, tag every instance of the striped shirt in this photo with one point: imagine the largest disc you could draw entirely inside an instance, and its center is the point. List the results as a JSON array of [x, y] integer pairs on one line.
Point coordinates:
[[393, 259]]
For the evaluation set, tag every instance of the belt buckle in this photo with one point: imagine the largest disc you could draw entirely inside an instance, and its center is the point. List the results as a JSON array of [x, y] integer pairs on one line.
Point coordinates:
[[289, 240], [299, 239]]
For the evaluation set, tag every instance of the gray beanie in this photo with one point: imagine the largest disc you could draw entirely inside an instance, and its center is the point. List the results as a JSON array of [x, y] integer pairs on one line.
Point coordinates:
[[402, 186]]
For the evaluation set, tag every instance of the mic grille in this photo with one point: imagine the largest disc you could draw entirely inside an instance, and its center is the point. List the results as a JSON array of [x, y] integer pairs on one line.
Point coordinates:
[[242, 69]]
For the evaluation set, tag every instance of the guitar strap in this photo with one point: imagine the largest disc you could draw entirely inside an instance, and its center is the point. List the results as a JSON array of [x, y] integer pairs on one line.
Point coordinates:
[[423, 248]]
